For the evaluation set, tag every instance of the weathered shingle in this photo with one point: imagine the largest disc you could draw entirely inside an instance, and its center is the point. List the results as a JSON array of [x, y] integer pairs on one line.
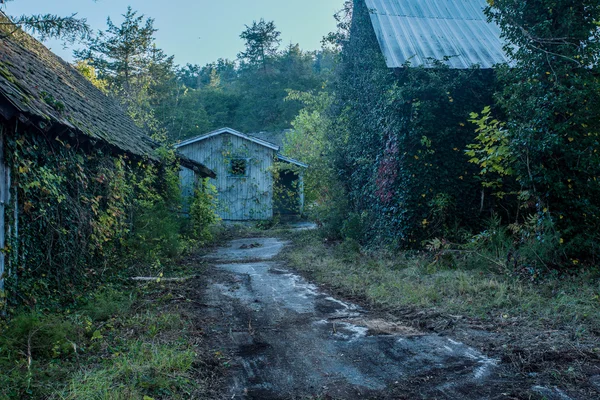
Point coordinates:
[[44, 87], [417, 31]]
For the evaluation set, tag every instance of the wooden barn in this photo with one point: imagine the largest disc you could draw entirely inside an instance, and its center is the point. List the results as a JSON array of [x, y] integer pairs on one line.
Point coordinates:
[[254, 181], [47, 107]]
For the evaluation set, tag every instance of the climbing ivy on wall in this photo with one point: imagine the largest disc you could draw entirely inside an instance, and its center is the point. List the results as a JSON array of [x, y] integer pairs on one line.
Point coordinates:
[[403, 160], [76, 215]]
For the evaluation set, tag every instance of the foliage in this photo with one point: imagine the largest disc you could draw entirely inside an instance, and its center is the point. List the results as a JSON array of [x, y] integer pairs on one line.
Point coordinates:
[[122, 52], [89, 72], [264, 91], [125, 58], [525, 250], [310, 141], [491, 150], [119, 342], [142, 368], [286, 189], [83, 216], [72, 208], [307, 141], [262, 42], [470, 285], [401, 155], [203, 212], [69, 29], [550, 100], [185, 102]]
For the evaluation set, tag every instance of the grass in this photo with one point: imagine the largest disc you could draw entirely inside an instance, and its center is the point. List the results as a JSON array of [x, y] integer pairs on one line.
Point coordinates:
[[142, 369], [122, 343], [468, 286]]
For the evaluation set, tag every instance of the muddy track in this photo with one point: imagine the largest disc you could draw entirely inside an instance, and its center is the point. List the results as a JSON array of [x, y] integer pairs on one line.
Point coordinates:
[[290, 340]]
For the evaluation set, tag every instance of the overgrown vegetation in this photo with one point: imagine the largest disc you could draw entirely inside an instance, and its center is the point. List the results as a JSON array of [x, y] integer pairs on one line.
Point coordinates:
[[119, 342], [85, 219], [422, 156], [82, 219], [470, 192], [469, 283]]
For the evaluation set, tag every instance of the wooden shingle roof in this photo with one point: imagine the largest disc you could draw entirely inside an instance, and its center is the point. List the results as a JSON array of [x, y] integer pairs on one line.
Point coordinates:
[[48, 90]]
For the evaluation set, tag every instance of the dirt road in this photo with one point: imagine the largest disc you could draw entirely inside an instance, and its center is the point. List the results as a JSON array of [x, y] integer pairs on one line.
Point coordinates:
[[290, 340]]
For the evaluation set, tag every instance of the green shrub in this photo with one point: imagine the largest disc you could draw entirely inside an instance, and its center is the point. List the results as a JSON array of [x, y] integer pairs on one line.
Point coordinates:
[[108, 303], [530, 249], [156, 234], [32, 335], [203, 212], [354, 227]]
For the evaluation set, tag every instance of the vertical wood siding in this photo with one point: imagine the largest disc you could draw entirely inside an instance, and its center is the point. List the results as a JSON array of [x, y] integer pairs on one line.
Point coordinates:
[[4, 188], [240, 198]]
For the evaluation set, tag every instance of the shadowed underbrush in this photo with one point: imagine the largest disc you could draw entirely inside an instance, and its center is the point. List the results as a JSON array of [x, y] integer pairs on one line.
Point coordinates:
[[469, 284], [119, 343]]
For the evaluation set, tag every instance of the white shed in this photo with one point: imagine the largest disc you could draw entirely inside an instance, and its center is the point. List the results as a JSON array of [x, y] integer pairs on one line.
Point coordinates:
[[254, 181]]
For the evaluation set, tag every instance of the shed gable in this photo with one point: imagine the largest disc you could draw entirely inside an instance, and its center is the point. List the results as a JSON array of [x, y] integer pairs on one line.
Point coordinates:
[[246, 196]]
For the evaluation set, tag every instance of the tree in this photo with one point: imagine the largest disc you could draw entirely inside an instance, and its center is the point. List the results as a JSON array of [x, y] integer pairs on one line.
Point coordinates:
[[91, 75], [122, 52], [45, 26], [262, 43], [551, 100], [138, 73]]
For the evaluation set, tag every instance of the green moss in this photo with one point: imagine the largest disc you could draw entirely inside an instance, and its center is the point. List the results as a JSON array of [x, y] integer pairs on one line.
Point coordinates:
[[52, 102], [5, 72]]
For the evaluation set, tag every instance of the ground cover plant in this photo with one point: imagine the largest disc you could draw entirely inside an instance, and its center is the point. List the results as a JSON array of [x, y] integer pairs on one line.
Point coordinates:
[[128, 341], [544, 330]]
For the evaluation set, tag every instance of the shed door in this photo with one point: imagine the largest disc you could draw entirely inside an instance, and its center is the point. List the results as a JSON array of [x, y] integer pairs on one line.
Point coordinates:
[[287, 194]]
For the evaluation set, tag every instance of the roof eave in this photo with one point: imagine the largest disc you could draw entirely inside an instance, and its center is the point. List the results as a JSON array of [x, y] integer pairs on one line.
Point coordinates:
[[229, 131], [291, 161]]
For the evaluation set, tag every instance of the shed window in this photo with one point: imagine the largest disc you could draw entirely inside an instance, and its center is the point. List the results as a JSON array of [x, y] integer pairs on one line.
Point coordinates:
[[238, 167]]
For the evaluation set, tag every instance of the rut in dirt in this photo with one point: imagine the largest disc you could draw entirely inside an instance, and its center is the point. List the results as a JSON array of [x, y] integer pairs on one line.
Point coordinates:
[[291, 340]]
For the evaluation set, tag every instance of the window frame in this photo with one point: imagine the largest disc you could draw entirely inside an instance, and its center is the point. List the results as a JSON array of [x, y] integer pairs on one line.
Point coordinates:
[[230, 173]]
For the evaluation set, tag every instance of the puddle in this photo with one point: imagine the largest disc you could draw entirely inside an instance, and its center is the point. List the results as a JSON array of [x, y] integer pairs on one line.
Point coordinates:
[[248, 249]]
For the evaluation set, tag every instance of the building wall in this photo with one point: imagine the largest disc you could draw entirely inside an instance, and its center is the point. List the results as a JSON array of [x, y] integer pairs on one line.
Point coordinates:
[[240, 198], [4, 187]]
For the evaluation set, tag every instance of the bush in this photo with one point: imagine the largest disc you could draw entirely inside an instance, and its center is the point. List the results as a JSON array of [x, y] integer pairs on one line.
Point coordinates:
[[33, 335], [203, 212], [108, 303], [530, 249], [354, 227], [156, 234]]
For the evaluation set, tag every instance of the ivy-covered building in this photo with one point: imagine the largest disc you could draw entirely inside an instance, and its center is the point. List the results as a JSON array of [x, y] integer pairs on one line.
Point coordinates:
[[254, 181], [69, 155], [411, 73]]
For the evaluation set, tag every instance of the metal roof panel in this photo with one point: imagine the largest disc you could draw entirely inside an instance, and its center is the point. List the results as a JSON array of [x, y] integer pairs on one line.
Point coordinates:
[[419, 31]]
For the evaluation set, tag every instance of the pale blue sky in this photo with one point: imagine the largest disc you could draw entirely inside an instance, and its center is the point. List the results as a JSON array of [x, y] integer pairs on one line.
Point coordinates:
[[200, 31]]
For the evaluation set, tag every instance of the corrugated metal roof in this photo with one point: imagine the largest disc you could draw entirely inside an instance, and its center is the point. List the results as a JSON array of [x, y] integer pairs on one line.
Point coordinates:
[[417, 31]]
